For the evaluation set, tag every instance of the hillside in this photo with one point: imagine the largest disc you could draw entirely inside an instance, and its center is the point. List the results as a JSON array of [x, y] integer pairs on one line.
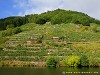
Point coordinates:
[[57, 40], [33, 42]]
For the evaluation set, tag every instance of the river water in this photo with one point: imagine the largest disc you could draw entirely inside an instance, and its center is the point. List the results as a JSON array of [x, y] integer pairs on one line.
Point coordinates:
[[49, 71]]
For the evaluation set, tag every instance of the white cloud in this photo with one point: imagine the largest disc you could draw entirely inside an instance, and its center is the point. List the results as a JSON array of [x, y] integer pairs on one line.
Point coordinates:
[[90, 7]]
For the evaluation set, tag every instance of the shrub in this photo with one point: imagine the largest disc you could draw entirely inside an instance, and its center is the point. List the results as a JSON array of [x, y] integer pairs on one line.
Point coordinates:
[[11, 26], [84, 21], [73, 61], [1, 48], [17, 30], [56, 20], [93, 62], [84, 60], [94, 27], [10, 32], [51, 62], [39, 39], [7, 33], [3, 40], [41, 21], [62, 63]]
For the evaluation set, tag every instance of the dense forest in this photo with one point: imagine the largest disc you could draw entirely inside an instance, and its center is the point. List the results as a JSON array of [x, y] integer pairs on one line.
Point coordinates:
[[57, 16]]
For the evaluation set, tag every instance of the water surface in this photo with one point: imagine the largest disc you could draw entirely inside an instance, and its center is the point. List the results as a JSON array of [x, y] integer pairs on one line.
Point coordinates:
[[49, 71]]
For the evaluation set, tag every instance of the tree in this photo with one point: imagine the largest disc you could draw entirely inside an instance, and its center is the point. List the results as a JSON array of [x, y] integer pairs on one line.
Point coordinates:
[[56, 20], [84, 60], [17, 30], [73, 61], [51, 62], [10, 32], [10, 26], [84, 21], [41, 21], [94, 27]]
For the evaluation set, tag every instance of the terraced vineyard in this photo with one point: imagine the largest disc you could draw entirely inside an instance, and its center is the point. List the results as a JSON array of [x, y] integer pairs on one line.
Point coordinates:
[[37, 42]]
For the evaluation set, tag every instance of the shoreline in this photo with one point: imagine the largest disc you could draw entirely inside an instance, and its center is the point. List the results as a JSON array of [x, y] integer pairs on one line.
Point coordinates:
[[21, 64], [40, 64]]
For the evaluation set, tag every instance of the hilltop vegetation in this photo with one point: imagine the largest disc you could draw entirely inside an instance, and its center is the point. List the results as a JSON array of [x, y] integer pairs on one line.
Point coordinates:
[[57, 16], [62, 16], [55, 37]]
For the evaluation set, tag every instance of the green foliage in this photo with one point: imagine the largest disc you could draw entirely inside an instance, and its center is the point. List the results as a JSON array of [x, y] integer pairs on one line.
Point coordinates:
[[72, 40], [15, 64], [73, 61], [17, 30], [3, 40], [63, 16], [62, 63], [84, 21], [93, 62], [94, 27], [51, 62], [84, 60], [41, 21], [56, 20], [39, 40], [1, 48], [32, 18], [57, 16], [97, 22], [11, 22], [7, 33], [10, 32], [10, 26]]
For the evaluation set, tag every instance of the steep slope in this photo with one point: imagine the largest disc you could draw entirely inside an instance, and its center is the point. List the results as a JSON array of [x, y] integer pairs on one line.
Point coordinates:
[[36, 42]]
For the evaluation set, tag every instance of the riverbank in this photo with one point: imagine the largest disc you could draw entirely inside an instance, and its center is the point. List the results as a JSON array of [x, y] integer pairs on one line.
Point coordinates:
[[21, 64], [34, 64]]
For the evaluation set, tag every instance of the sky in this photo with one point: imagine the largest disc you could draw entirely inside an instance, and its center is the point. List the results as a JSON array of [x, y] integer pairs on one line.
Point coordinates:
[[25, 7]]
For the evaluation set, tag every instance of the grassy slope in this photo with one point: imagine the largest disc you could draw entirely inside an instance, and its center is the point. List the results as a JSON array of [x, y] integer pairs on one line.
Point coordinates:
[[74, 40]]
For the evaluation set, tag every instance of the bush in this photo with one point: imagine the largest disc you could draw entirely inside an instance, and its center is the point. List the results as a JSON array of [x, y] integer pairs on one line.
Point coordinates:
[[62, 63], [56, 20], [11, 26], [7, 33], [84, 21], [10, 32], [41, 21], [3, 40], [1, 48], [73, 61], [51, 62], [94, 27], [84, 60], [94, 62], [17, 30]]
